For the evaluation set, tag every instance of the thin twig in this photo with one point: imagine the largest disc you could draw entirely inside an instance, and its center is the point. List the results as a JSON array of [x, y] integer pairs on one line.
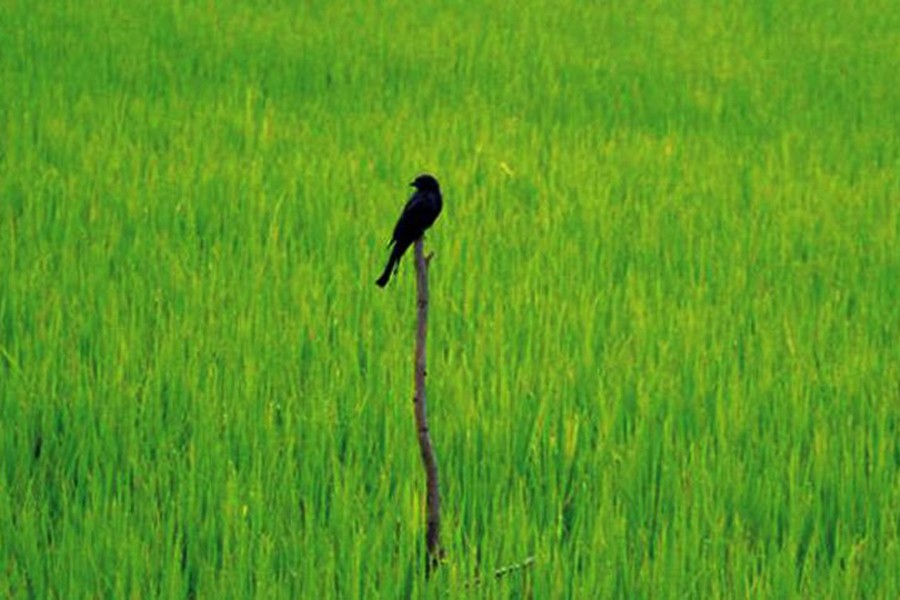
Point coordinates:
[[429, 460]]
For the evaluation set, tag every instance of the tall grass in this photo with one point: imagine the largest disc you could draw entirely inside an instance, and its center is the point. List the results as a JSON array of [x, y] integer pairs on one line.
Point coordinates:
[[664, 352]]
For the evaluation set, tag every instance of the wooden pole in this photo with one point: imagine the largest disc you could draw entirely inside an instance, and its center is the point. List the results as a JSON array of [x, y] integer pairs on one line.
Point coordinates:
[[429, 460]]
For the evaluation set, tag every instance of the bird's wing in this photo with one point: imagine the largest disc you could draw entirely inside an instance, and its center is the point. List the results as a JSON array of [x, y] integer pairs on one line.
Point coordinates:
[[412, 214]]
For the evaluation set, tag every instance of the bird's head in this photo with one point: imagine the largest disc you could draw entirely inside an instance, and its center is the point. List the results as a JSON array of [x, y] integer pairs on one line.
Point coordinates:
[[425, 182]]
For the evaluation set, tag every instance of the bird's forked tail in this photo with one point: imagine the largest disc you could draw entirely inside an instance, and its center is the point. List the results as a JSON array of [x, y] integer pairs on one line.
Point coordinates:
[[386, 275]]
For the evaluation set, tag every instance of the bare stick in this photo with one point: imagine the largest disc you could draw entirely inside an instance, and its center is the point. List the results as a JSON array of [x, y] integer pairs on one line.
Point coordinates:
[[429, 461]]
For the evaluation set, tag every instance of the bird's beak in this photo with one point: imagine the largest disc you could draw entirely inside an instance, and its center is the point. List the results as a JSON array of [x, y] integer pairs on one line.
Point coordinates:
[[412, 184]]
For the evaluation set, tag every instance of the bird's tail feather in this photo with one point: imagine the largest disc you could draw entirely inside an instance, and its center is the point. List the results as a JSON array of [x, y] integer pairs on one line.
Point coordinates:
[[386, 275]]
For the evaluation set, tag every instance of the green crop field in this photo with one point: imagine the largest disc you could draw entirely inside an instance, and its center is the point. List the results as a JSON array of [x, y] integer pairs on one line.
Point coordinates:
[[664, 348]]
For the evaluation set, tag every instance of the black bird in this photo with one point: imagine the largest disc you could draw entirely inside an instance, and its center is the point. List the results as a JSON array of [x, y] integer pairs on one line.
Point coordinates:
[[420, 212]]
